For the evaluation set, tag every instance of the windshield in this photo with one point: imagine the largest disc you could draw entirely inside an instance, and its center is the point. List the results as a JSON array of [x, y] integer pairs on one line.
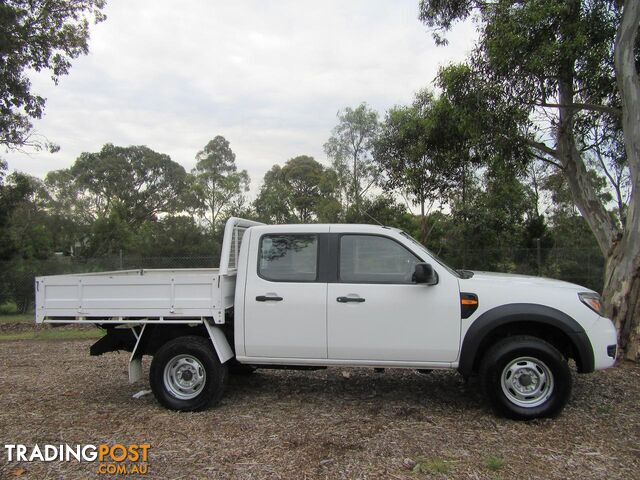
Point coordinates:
[[431, 254]]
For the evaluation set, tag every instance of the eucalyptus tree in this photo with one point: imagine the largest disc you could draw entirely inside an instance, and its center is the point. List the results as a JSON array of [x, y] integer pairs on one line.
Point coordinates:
[[218, 185], [37, 36], [301, 191], [350, 148], [272, 204], [309, 185], [406, 154], [23, 218], [136, 181], [560, 65]]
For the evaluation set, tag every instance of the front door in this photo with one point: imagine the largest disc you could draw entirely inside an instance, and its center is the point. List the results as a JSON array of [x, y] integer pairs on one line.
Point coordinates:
[[285, 297], [375, 311]]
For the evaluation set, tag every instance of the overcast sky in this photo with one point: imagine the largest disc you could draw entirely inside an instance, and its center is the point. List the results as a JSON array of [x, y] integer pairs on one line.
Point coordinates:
[[269, 76]]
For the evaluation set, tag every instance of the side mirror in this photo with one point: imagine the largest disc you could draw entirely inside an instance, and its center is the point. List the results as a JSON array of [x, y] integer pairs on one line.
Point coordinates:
[[424, 273]]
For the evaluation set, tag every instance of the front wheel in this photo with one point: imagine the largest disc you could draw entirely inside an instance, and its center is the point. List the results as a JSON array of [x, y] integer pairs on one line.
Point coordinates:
[[186, 374], [525, 377]]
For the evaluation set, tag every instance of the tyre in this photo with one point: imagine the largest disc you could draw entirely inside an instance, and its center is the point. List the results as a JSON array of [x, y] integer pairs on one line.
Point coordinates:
[[186, 374], [525, 377]]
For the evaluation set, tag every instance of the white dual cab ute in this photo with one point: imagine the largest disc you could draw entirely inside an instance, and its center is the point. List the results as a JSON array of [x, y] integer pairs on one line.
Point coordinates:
[[314, 296]]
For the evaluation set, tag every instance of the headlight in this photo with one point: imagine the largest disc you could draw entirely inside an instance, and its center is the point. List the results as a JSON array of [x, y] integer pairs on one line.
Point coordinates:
[[593, 301]]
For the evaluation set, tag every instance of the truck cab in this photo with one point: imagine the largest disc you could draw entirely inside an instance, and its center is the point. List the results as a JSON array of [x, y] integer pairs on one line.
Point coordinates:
[[356, 286]]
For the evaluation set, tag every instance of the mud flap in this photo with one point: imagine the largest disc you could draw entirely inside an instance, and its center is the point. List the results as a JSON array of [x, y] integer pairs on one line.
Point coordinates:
[[220, 343], [135, 361]]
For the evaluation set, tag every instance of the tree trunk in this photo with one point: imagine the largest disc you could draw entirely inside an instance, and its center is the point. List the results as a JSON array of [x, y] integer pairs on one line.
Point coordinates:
[[574, 169], [423, 223], [621, 249], [356, 193], [464, 215], [622, 293], [576, 174], [622, 282]]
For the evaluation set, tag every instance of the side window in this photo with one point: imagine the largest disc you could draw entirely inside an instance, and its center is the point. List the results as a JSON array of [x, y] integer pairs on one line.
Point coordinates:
[[372, 259], [288, 258]]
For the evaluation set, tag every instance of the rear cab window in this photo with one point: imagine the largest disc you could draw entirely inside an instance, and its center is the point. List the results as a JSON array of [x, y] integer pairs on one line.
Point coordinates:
[[288, 257]]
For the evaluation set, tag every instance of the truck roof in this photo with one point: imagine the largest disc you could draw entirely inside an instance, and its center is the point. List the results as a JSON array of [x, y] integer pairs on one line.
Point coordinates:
[[342, 226]]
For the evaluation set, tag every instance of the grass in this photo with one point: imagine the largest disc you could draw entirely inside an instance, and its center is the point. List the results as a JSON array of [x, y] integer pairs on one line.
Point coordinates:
[[432, 466], [604, 409], [8, 308], [44, 334], [9, 316], [54, 334], [494, 463], [18, 318]]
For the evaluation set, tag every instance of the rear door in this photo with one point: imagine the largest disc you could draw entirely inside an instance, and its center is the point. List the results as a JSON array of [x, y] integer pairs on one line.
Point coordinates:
[[376, 312], [286, 293]]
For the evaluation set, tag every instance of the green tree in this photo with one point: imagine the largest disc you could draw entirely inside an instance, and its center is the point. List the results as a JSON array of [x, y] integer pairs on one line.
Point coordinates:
[[381, 209], [301, 191], [407, 154], [218, 185], [328, 207], [37, 35], [9, 197], [303, 175], [460, 118], [564, 64], [24, 230], [104, 197], [350, 148], [109, 234], [138, 182], [605, 158], [272, 204], [495, 223], [25, 240], [173, 236]]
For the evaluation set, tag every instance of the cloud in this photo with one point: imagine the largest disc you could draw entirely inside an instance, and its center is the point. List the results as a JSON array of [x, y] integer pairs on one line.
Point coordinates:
[[269, 76]]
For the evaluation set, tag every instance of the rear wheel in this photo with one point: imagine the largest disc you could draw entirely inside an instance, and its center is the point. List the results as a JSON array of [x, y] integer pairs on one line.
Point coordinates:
[[186, 374], [525, 377]]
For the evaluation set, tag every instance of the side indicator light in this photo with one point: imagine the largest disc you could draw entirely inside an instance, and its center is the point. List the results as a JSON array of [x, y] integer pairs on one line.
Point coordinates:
[[468, 304]]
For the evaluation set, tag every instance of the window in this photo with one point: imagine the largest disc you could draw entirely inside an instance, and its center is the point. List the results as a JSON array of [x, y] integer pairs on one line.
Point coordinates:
[[373, 259], [288, 258]]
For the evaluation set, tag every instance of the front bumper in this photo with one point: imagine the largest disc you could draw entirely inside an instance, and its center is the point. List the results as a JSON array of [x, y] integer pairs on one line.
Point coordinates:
[[603, 337]]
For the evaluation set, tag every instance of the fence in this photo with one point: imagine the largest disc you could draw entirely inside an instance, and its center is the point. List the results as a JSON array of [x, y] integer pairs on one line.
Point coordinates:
[[17, 280], [581, 266]]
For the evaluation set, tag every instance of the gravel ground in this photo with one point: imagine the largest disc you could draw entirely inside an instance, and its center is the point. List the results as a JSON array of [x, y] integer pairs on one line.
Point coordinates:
[[331, 423]]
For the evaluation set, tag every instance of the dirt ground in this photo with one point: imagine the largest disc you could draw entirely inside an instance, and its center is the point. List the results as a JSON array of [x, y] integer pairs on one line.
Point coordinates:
[[297, 425]]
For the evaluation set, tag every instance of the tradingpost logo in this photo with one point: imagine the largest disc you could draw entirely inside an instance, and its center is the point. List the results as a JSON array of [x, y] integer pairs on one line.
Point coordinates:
[[116, 459]]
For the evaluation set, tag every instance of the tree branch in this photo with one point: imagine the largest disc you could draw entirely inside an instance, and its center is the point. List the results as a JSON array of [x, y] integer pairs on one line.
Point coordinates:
[[547, 160], [629, 85], [582, 106], [542, 147]]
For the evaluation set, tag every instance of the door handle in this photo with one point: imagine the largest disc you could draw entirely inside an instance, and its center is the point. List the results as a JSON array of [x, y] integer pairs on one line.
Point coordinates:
[[264, 298], [350, 299]]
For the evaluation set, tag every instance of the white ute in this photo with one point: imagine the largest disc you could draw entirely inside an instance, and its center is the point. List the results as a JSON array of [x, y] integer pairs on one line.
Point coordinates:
[[350, 295]]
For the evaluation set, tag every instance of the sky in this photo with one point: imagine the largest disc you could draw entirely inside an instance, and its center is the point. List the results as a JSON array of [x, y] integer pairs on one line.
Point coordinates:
[[269, 76]]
